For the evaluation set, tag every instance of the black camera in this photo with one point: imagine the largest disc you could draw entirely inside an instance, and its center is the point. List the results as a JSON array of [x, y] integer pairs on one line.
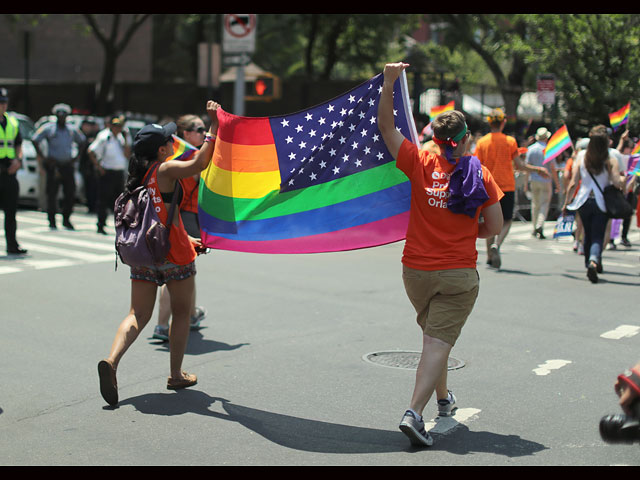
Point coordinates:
[[622, 428]]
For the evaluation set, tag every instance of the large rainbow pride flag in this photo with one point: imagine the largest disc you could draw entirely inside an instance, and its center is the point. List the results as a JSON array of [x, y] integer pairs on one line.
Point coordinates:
[[319, 180], [558, 143], [620, 117]]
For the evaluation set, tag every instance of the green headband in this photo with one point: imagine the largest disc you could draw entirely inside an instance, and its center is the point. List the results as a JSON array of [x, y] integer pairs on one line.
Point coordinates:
[[462, 133]]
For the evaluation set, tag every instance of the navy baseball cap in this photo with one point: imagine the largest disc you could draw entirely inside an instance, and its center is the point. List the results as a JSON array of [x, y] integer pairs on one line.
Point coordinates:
[[151, 137]]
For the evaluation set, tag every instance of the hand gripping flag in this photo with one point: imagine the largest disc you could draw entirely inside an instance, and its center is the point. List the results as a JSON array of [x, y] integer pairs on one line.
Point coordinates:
[[319, 180]]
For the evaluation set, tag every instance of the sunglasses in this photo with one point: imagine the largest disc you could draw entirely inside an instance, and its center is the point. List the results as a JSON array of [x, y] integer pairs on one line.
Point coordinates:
[[198, 130]]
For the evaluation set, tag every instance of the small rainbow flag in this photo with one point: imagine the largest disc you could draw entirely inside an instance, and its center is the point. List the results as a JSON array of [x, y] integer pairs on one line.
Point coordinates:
[[634, 165], [438, 109], [182, 150], [558, 143], [620, 117], [636, 149], [319, 180]]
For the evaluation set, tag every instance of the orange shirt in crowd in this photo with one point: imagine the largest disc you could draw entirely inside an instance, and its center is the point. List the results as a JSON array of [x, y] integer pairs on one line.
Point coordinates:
[[438, 239], [496, 152]]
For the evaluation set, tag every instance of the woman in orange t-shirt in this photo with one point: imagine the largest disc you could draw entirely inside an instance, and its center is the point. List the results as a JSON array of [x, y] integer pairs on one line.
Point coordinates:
[[151, 148], [499, 153], [439, 259]]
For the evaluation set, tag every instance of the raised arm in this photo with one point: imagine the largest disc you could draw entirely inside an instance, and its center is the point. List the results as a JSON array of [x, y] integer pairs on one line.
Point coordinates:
[[386, 123]]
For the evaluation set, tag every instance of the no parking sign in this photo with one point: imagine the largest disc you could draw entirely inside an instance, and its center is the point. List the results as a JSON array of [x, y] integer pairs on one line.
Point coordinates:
[[239, 33]]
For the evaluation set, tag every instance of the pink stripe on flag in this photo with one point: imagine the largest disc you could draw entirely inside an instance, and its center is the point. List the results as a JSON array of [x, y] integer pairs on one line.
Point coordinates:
[[385, 231]]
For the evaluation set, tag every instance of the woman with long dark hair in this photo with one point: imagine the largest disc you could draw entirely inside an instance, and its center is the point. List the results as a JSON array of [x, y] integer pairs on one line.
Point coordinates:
[[594, 169], [190, 128], [151, 148]]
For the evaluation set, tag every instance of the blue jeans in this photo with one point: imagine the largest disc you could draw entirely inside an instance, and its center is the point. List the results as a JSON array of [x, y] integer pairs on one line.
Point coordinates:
[[595, 222]]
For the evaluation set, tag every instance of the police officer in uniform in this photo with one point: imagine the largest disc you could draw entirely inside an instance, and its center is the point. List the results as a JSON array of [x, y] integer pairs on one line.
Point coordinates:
[[10, 162]]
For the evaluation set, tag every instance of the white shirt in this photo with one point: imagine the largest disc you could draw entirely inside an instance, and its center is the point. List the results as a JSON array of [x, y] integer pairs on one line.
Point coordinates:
[[109, 150], [587, 186]]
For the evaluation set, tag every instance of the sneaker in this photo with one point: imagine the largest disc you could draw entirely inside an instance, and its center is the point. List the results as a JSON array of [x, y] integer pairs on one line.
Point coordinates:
[[625, 242], [447, 406], [414, 429], [494, 256], [161, 333], [67, 224], [201, 314], [592, 273]]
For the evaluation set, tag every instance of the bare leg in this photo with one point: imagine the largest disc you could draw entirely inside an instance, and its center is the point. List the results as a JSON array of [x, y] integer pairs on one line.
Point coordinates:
[[143, 298], [431, 373], [164, 307], [181, 292]]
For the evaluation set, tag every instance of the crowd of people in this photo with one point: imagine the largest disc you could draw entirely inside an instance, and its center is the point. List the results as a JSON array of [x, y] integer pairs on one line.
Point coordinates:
[[439, 270]]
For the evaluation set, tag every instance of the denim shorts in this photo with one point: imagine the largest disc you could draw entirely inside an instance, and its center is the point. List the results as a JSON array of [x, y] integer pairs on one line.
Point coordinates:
[[161, 274], [443, 299]]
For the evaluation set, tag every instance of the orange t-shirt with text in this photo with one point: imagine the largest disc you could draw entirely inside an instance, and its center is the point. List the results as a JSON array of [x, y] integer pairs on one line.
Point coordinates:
[[438, 239], [496, 152]]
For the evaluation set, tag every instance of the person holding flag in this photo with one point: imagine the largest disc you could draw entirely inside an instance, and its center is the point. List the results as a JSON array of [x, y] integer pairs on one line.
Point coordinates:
[[439, 257], [149, 165], [191, 129]]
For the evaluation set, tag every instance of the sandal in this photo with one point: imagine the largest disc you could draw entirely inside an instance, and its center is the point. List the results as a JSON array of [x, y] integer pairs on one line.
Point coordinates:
[[108, 382], [187, 380]]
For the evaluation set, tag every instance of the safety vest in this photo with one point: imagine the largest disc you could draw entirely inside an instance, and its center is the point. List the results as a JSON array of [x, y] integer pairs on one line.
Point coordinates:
[[7, 138]]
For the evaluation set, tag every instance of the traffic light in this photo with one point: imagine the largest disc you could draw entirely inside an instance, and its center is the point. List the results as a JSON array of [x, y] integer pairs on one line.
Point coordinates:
[[264, 87]]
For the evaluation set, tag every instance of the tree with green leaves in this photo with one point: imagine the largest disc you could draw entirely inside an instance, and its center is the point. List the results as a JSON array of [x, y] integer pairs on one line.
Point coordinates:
[[595, 60]]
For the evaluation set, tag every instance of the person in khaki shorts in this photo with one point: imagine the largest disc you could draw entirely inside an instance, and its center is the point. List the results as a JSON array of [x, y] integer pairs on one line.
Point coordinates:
[[449, 192]]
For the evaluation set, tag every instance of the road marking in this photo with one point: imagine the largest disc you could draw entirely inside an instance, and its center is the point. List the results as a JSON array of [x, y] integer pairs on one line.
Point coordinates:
[[621, 332], [444, 425], [546, 367]]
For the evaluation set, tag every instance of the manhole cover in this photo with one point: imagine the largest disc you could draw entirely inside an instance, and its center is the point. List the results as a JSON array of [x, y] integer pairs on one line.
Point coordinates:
[[408, 360]]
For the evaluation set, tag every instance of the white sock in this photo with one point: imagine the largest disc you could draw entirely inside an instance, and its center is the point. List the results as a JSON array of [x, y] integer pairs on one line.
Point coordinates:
[[419, 417]]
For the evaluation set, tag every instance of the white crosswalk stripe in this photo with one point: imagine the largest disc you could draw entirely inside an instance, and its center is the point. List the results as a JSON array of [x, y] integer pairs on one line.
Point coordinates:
[[60, 248]]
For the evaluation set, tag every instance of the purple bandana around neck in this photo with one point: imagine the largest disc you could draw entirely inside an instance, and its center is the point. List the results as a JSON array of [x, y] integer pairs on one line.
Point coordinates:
[[466, 187]]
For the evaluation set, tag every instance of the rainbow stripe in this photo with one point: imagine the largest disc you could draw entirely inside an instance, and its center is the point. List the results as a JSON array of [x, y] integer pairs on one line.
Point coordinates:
[[270, 189], [558, 143], [182, 150], [620, 117], [636, 149], [438, 109]]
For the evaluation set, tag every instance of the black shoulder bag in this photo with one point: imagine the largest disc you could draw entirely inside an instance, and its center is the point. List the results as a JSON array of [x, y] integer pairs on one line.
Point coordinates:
[[614, 201]]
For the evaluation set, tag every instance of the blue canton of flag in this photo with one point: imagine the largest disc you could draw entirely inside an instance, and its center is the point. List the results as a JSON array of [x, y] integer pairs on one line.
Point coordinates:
[[337, 138]]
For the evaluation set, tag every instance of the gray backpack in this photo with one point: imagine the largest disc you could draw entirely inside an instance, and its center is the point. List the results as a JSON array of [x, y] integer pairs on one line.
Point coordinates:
[[141, 238]]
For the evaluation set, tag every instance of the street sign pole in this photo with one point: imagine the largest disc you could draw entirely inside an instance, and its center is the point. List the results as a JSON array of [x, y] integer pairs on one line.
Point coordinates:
[[239, 37]]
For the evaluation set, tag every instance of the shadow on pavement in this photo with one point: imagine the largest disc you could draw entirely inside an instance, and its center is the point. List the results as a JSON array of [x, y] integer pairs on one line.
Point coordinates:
[[324, 437]]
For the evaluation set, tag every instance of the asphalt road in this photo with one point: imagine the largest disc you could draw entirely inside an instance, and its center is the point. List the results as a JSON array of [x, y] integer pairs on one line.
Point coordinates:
[[309, 360]]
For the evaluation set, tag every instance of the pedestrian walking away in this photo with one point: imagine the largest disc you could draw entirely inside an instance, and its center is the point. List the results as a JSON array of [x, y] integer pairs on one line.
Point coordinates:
[[58, 162], [152, 147], [439, 257], [191, 128], [499, 153], [593, 165], [109, 153], [10, 163]]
